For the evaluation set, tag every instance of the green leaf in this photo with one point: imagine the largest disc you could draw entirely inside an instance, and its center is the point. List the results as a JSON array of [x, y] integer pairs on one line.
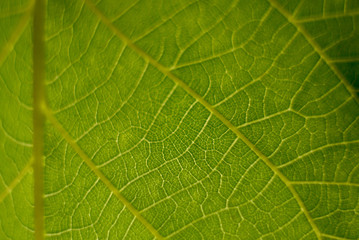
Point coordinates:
[[179, 119]]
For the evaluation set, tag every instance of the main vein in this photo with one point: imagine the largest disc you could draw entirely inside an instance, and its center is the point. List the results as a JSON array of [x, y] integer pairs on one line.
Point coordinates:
[[208, 106], [38, 116], [99, 174]]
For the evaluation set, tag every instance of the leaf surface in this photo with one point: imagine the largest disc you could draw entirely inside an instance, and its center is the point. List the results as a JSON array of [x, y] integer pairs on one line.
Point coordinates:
[[183, 119]]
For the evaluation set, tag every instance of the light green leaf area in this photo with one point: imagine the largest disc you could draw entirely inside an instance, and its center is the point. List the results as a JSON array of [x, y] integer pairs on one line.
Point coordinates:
[[184, 119]]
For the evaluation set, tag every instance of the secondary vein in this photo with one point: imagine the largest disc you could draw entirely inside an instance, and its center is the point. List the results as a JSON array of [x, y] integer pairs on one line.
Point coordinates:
[[16, 181], [208, 106], [98, 172], [19, 29], [316, 47]]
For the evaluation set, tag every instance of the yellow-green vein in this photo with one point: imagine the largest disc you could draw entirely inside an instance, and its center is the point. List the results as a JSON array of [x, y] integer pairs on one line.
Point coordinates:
[[166, 71], [98, 172], [19, 29], [333, 237], [16, 181], [315, 46], [348, 184]]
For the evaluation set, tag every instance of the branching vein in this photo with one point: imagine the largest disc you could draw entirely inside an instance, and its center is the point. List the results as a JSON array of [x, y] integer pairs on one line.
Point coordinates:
[[166, 71]]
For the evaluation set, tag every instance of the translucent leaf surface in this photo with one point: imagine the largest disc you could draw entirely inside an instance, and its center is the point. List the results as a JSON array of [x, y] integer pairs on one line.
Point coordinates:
[[181, 119]]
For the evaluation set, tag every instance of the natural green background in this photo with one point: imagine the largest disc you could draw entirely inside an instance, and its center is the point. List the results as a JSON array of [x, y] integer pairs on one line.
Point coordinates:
[[284, 73]]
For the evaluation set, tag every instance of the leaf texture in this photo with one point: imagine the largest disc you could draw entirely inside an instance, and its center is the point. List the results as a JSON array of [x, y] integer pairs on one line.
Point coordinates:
[[183, 120]]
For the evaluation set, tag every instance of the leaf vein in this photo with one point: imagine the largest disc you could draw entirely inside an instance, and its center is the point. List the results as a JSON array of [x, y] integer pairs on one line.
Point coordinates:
[[166, 71], [98, 172], [315, 46], [16, 180]]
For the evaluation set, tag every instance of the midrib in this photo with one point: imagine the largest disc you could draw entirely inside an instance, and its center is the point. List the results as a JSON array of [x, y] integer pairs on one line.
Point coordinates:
[[166, 71]]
